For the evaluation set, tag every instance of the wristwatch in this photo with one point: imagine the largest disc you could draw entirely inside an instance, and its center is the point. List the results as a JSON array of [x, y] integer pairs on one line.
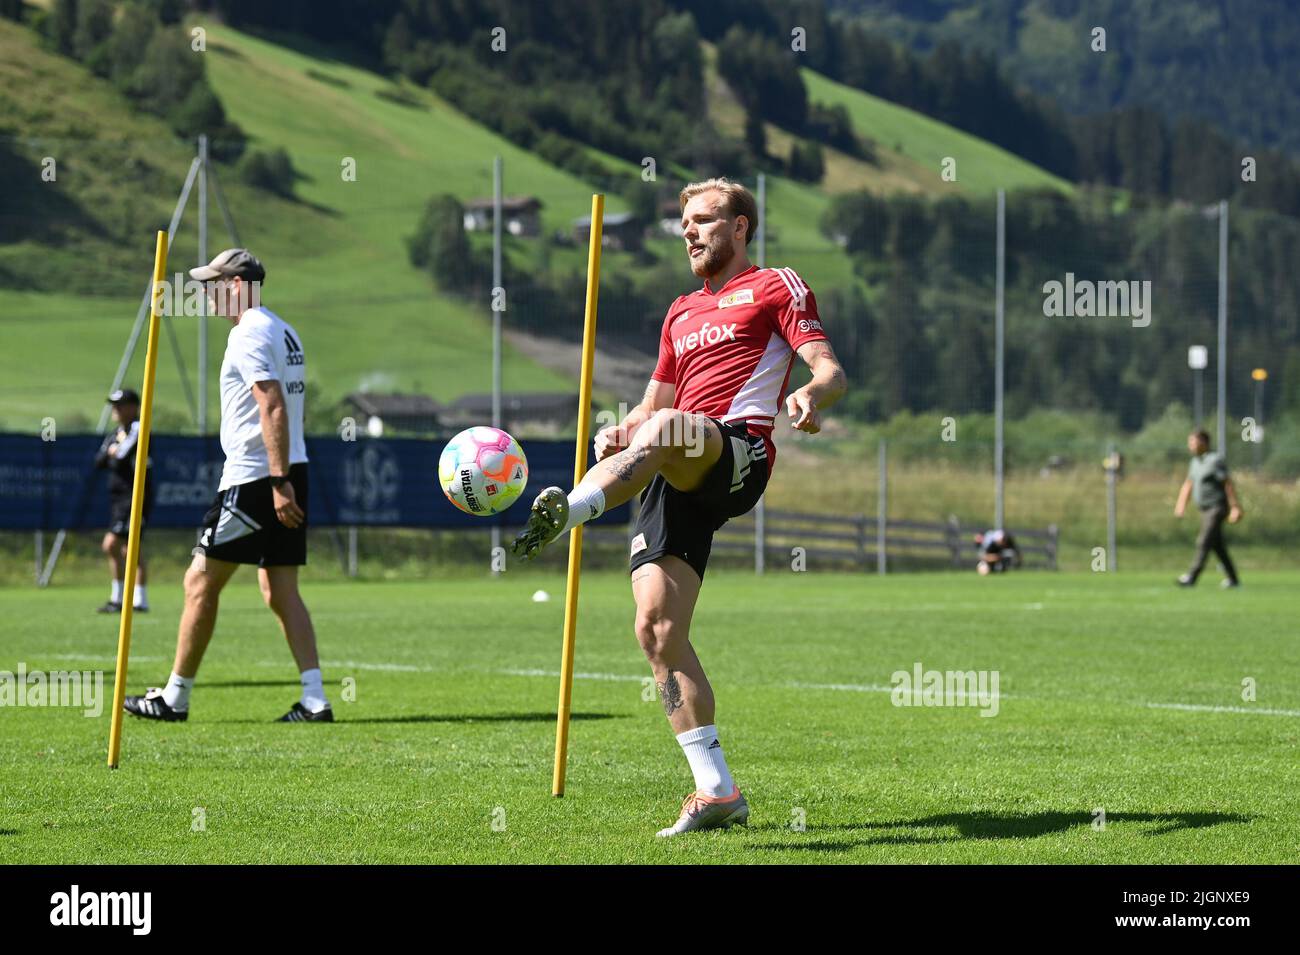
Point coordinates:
[[279, 480]]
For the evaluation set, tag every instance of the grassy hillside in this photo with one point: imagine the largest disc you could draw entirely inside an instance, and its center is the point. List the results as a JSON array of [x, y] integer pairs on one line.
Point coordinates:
[[336, 259], [1180, 57], [925, 142], [336, 255]]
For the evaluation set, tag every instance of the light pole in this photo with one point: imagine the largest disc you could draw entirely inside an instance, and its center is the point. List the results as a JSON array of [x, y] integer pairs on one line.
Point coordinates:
[[1220, 211], [1197, 359], [1260, 376]]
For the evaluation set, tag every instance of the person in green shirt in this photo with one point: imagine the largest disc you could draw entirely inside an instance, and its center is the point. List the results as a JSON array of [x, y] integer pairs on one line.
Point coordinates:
[[1210, 487]]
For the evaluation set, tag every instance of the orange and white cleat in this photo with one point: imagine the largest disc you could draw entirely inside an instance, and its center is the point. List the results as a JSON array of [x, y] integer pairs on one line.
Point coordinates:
[[702, 811]]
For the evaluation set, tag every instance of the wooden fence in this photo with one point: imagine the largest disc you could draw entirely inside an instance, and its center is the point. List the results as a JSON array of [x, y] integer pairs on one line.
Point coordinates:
[[854, 541]]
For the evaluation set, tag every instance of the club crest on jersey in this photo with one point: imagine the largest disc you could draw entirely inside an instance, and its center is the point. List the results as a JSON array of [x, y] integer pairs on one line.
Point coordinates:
[[744, 297], [707, 335]]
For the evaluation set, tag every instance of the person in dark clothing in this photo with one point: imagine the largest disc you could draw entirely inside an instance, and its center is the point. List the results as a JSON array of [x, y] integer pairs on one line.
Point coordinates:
[[117, 456], [1210, 487], [998, 552]]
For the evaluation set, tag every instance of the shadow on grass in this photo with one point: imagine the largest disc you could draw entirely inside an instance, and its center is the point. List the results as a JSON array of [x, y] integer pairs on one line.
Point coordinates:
[[8, 832], [982, 825], [485, 718], [457, 718]]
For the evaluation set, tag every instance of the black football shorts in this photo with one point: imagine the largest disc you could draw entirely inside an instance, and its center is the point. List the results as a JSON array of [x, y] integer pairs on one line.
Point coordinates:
[[682, 523], [119, 512], [241, 526]]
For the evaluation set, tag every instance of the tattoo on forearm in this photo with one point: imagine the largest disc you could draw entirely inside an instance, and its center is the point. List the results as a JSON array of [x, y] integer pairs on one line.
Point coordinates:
[[625, 462], [670, 691]]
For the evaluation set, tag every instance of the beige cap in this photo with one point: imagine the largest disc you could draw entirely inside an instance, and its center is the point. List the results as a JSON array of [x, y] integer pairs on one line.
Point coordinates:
[[229, 264]]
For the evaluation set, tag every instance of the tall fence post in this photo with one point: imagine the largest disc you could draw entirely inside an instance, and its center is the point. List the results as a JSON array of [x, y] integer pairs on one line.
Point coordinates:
[[760, 509], [201, 413], [352, 550], [1223, 329], [882, 510], [999, 369], [954, 539], [496, 326], [40, 554], [1112, 477]]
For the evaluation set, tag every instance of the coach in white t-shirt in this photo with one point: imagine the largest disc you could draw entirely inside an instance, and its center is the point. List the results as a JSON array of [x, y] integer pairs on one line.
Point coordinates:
[[260, 513]]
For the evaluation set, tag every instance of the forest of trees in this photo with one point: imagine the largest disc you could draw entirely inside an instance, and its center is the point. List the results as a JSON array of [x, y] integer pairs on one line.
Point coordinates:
[[915, 329], [1232, 64], [141, 48], [1131, 146], [629, 83], [923, 338]]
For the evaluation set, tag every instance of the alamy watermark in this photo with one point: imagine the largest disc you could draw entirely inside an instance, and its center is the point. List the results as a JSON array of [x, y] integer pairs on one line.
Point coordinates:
[[674, 429], [84, 689], [75, 907], [922, 687], [1084, 298], [180, 296]]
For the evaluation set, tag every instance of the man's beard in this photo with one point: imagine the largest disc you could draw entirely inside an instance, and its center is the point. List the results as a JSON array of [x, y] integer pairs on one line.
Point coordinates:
[[717, 256]]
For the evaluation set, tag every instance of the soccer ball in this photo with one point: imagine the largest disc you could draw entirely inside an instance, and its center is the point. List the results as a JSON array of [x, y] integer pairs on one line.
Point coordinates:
[[482, 471]]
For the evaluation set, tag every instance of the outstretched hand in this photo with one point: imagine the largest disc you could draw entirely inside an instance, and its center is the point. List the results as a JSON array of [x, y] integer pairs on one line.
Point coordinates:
[[803, 412]]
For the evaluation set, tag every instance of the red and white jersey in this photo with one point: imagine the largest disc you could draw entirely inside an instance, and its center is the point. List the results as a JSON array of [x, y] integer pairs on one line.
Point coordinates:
[[729, 352]]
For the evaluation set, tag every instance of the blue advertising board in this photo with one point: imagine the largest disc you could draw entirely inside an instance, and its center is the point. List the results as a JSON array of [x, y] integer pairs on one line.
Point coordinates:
[[369, 482]]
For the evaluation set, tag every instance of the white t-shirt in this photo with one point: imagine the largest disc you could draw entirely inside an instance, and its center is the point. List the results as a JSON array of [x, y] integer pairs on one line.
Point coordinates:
[[262, 347]]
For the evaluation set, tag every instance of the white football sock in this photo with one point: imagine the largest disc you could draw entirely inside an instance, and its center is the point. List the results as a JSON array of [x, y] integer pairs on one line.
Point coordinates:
[[117, 592], [313, 691], [176, 693], [141, 596], [586, 502], [709, 766]]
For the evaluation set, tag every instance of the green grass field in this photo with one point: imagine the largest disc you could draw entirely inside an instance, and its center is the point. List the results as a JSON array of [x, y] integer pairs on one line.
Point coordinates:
[[1122, 694]]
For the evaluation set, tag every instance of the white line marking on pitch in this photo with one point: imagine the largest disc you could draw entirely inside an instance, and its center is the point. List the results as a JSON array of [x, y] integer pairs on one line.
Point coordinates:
[[625, 678], [1204, 708], [616, 677], [851, 687]]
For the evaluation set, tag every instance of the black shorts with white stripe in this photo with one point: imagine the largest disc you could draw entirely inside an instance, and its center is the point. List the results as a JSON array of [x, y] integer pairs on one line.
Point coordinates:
[[682, 523], [241, 526]]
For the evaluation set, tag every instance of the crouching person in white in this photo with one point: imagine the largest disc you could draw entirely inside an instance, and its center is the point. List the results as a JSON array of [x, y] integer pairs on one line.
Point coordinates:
[[260, 513]]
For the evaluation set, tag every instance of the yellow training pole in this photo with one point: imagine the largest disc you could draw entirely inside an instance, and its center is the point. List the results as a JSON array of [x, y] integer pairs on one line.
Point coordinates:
[[137, 502], [579, 469]]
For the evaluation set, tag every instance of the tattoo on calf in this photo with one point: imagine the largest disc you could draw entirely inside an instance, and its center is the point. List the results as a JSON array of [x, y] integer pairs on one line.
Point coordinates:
[[625, 462], [671, 693]]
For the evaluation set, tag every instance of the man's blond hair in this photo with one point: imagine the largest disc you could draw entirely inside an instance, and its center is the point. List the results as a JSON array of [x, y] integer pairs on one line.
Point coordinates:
[[736, 200]]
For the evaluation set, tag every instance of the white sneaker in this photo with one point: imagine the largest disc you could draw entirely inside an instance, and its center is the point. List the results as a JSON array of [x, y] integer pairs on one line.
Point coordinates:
[[701, 811]]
